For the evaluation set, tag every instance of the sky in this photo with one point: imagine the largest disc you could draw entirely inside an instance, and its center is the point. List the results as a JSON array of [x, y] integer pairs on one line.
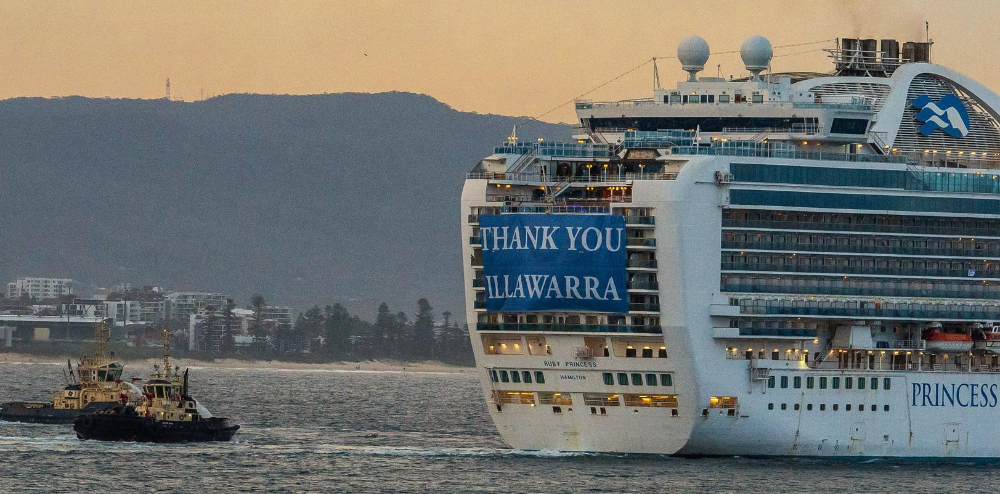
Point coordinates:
[[507, 57]]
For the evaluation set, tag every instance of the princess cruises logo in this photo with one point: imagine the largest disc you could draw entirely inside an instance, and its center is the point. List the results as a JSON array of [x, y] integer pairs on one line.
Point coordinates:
[[948, 114]]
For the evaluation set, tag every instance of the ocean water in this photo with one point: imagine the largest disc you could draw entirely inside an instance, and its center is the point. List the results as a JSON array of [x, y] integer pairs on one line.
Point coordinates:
[[320, 431]]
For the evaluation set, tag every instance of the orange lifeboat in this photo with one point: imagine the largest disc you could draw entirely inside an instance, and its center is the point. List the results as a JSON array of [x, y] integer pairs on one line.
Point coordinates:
[[987, 338], [944, 341]]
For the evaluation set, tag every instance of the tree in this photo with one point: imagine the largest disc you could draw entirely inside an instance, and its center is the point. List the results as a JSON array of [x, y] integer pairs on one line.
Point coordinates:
[[337, 328], [228, 340], [384, 324], [257, 304], [400, 336], [422, 336], [208, 337]]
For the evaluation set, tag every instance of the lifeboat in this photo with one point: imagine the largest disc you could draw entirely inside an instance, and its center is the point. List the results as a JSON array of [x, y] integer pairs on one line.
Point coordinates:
[[987, 338], [943, 341]]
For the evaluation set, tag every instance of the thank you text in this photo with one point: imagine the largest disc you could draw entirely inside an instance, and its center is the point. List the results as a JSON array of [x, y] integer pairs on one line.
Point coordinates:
[[554, 262]]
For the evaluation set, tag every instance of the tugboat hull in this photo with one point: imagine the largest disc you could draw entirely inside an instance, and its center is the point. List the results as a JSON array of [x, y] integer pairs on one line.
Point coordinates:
[[45, 413], [116, 427]]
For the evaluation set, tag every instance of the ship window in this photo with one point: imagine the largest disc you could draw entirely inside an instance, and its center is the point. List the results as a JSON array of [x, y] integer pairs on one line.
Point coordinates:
[[784, 381], [630, 351], [874, 383], [515, 376], [822, 407], [848, 382], [526, 375], [885, 408], [810, 381], [514, 397], [622, 379], [822, 383], [836, 383], [704, 98], [666, 380], [504, 377], [835, 407], [770, 382], [650, 379], [601, 399], [609, 379], [770, 406], [784, 406], [159, 391], [861, 383], [684, 98], [637, 379], [849, 126], [662, 353], [711, 98], [847, 407], [647, 352], [554, 398], [758, 98], [809, 407], [539, 377], [797, 382], [861, 407], [493, 376], [723, 98], [886, 384], [796, 406]]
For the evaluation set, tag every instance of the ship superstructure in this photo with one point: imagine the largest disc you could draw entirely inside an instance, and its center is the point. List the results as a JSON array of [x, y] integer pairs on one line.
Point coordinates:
[[782, 264]]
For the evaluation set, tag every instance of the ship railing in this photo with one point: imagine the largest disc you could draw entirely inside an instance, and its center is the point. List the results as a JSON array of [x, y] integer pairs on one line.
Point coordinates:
[[766, 150], [598, 177]]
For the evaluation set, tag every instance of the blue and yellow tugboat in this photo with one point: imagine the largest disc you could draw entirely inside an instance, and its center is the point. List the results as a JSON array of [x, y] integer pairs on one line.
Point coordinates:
[[166, 413], [96, 386]]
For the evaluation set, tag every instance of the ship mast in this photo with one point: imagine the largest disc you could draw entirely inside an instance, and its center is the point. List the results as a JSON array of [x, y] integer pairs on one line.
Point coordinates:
[[166, 353]]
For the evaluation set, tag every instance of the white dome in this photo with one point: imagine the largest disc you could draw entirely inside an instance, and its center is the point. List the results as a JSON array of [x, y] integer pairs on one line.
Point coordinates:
[[693, 53], [756, 53]]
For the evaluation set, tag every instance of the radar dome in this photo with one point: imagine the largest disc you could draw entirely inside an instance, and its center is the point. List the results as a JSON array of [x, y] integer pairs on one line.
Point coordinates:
[[756, 53], [693, 53]]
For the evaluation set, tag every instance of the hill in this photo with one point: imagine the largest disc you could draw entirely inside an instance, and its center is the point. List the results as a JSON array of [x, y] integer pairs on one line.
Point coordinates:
[[350, 198]]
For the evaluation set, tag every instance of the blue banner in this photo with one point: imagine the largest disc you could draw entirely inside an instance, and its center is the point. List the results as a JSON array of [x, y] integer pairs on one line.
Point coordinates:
[[554, 262]]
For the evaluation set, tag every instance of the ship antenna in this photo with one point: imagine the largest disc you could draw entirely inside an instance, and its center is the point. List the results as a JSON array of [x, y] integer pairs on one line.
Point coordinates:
[[166, 352], [656, 76], [101, 335]]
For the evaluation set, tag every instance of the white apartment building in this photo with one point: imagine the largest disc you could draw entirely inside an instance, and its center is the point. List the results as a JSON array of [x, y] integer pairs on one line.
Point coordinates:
[[40, 288]]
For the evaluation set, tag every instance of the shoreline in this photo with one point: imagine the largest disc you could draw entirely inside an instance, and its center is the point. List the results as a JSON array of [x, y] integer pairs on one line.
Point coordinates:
[[229, 363]]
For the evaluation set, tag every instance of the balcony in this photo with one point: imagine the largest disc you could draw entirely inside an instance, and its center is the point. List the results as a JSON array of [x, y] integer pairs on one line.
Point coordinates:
[[791, 333], [640, 242], [479, 304], [972, 292], [473, 219], [640, 220], [862, 270], [644, 307], [570, 328], [978, 313], [967, 250], [642, 263], [475, 240], [644, 285]]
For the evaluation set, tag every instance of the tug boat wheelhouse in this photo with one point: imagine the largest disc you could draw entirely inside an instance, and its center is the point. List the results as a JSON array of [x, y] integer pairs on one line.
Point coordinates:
[[97, 386], [781, 264], [166, 413]]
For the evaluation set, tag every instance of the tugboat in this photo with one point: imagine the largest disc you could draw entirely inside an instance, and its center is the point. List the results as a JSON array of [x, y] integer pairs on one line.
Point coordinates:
[[97, 386], [166, 413]]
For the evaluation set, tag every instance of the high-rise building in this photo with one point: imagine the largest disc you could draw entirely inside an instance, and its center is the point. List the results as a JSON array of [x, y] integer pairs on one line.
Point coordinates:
[[40, 288]]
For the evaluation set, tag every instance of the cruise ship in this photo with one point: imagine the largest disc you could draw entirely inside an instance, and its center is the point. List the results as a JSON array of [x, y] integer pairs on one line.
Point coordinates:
[[781, 264]]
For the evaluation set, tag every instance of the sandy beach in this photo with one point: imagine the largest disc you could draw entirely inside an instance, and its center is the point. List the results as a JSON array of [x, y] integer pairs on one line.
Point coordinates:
[[368, 365]]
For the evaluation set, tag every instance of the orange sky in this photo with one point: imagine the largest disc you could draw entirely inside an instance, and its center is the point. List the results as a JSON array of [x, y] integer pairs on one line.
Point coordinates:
[[507, 57]]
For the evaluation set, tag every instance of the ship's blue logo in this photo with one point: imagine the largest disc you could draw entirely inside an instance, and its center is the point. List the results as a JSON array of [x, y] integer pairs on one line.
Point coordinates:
[[948, 114]]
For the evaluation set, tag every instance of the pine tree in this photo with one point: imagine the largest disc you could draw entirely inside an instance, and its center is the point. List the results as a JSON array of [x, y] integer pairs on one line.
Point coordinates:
[[422, 336], [338, 328], [228, 340], [384, 323]]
